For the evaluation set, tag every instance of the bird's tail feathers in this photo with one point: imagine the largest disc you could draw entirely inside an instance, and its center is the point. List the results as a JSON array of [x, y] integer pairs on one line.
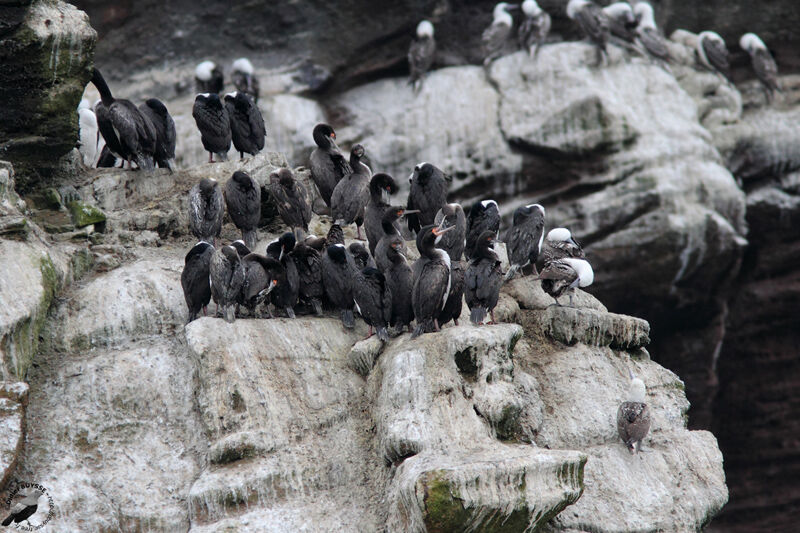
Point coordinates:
[[250, 238], [383, 333], [348, 319], [223, 156], [230, 315], [290, 312], [145, 162], [317, 305], [477, 315], [512, 271]]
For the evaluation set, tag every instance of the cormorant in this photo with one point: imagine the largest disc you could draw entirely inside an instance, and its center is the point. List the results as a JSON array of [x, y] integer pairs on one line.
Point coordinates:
[[389, 230], [244, 78], [157, 112], [428, 193], [534, 28], [713, 53], [373, 299], [483, 216], [259, 280], [524, 238], [226, 274], [432, 280], [421, 54], [650, 37], [494, 37], [593, 22], [361, 256], [381, 186], [241, 248], [454, 242], [455, 297], [128, 133], [308, 262], [763, 63], [633, 417], [243, 199], [400, 281], [351, 194], [291, 200], [286, 293], [194, 278], [247, 125], [206, 210], [338, 270], [484, 278], [208, 78], [621, 21], [328, 165], [213, 122]]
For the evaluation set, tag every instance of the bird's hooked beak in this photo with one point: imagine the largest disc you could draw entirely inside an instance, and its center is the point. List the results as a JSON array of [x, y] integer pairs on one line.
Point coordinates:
[[263, 294], [439, 231], [573, 241], [409, 212]]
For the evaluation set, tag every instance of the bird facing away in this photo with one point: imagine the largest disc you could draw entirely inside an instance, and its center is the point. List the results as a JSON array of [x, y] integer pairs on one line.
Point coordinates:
[[495, 37], [524, 238], [361, 256], [483, 279], [258, 280], [194, 278], [421, 54], [244, 78], [24, 508], [559, 244], [713, 53], [390, 230], [534, 28], [649, 36], [243, 200], [350, 196], [328, 165], [128, 133], [484, 215], [428, 194], [158, 114], [400, 281], [763, 63], [213, 121], [248, 132], [338, 270], [226, 274], [291, 200], [381, 187], [452, 242], [593, 22], [633, 417], [373, 300], [208, 78], [308, 262], [206, 210], [287, 291], [565, 275], [621, 21], [432, 280]]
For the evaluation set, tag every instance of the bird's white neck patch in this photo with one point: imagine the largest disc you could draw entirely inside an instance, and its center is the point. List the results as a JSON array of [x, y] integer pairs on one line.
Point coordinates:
[[203, 70], [243, 65]]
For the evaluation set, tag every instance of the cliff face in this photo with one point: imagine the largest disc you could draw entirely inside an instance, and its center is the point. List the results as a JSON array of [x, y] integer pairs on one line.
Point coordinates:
[[137, 422]]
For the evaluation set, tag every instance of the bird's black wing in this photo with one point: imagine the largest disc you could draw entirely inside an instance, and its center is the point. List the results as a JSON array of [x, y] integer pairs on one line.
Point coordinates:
[[420, 57], [594, 22], [214, 126], [766, 69], [258, 130], [717, 55], [494, 39], [654, 43], [106, 129]]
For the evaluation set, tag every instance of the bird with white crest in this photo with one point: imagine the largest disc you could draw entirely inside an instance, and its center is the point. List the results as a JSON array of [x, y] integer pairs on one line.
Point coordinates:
[[633, 416], [713, 54], [649, 36], [534, 27], [566, 275], [621, 21], [763, 63], [421, 54], [593, 22], [497, 34], [244, 78]]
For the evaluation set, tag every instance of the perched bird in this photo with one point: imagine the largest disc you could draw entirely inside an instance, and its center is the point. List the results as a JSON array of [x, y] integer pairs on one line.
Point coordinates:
[[649, 36], [208, 78], [534, 27], [308, 262], [389, 230], [206, 210], [338, 271], [524, 238], [241, 248], [243, 200], [455, 296], [247, 125], [559, 244], [565, 275], [494, 37], [483, 279], [335, 235], [373, 300], [400, 281], [214, 124], [128, 133], [713, 53], [24, 508], [593, 22], [421, 54], [317, 243], [453, 242], [483, 216], [244, 78], [432, 280], [633, 417], [87, 124], [361, 256], [328, 165], [226, 274], [621, 21], [428, 193], [194, 278], [350, 196], [381, 186], [158, 114], [274, 249], [291, 200], [763, 63], [287, 292], [259, 280]]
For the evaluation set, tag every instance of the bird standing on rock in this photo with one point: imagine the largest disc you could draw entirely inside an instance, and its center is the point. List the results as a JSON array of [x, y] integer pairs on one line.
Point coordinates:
[[649, 36], [483, 279], [308, 262], [247, 125], [226, 274], [351, 194], [621, 21], [421, 54], [361, 256], [565, 275], [381, 187], [244, 78], [483, 216], [389, 231], [338, 269], [400, 281], [559, 244], [291, 200], [762, 62], [159, 116], [213, 121], [206, 210], [373, 300], [633, 417], [243, 199], [258, 280], [453, 242], [534, 27], [428, 193], [524, 238], [713, 53], [593, 22], [328, 165], [432, 279], [208, 78], [194, 278], [496, 36]]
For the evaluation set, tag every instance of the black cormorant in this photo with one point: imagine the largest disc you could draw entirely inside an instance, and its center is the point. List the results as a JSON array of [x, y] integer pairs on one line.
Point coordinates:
[[157, 112], [421, 54], [291, 199], [327, 163], [351, 194], [381, 187], [373, 299], [428, 193], [194, 278], [214, 124], [524, 238], [243, 200], [247, 125], [484, 215], [226, 274], [432, 280], [206, 210], [483, 279], [453, 242]]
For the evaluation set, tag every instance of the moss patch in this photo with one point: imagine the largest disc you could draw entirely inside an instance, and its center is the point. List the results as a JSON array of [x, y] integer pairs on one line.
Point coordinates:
[[444, 510], [85, 214]]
